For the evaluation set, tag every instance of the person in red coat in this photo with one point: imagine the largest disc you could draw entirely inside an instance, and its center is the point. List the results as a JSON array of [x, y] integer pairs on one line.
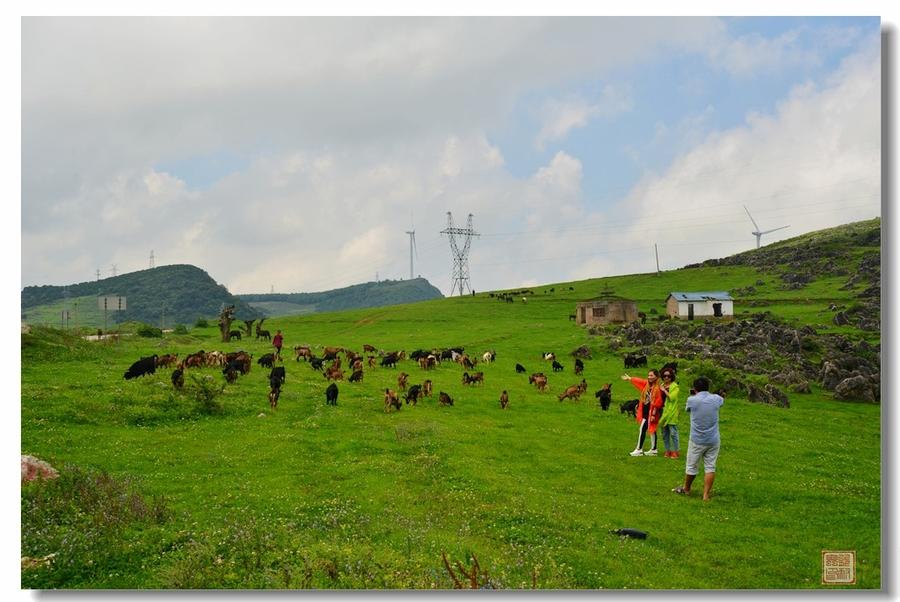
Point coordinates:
[[649, 409], [277, 342]]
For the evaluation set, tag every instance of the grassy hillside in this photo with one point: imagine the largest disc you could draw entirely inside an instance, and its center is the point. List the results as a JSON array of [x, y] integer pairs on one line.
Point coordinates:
[[369, 294], [229, 493], [167, 295]]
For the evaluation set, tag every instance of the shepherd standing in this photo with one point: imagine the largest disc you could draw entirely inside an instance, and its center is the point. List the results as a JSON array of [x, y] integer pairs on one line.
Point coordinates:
[[277, 342]]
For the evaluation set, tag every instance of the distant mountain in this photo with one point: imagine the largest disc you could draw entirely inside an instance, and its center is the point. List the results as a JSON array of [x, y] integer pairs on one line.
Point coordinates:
[[369, 294], [173, 294]]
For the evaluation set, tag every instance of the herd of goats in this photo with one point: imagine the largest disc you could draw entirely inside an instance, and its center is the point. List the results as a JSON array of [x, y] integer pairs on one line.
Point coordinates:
[[330, 364]]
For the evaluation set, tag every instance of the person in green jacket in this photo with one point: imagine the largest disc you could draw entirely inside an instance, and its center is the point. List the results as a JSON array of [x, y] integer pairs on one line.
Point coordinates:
[[671, 412]]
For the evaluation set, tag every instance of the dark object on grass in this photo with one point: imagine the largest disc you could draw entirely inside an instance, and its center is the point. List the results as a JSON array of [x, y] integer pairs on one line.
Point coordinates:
[[604, 396], [331, 395], [145, 365], [629, 407], [277, 372], [633, 533]]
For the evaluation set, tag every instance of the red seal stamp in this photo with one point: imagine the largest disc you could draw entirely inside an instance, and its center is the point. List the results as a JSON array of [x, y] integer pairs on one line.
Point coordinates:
[[838, 567]]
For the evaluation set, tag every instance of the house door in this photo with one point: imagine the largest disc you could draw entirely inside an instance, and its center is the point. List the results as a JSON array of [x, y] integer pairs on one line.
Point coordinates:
[[690, 311], [583, 316], [717, 310]]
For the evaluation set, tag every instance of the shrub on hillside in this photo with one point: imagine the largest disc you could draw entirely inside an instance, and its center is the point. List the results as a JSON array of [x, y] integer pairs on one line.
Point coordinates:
[[205, 391], [145, 330], [714, 372], [180, 329], [201, 323]]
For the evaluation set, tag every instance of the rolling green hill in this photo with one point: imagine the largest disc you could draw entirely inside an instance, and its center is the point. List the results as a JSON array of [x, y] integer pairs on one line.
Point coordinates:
[[369, 294], [167, 295], [209, 487], [180, 294]]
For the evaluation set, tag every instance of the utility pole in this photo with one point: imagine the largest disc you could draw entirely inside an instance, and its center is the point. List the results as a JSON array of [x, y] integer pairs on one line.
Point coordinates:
[[460, 275], [656, 249]]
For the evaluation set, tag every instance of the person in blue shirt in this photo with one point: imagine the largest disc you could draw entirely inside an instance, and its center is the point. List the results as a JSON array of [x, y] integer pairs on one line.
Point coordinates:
[[703, 408]]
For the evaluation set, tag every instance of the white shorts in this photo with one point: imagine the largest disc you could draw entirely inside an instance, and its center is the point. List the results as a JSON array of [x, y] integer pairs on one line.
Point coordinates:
[[709, 453]]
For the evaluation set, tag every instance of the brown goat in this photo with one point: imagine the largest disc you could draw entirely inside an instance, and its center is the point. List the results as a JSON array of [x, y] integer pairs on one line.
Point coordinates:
[[391, 399], [538, 380]]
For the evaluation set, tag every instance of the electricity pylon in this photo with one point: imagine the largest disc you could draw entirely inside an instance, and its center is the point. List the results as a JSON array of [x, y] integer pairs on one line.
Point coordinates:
[[460, 276]]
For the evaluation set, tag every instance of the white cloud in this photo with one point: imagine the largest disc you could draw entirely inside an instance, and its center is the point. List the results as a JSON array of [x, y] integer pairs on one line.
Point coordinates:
[[814, 163], [358, 129], [686, 133], [754, 54], [559, 182], [562, 116]]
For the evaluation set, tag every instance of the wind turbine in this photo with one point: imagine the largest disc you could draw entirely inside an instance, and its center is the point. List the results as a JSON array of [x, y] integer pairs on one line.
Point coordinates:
[[412, 249], [757, 233]]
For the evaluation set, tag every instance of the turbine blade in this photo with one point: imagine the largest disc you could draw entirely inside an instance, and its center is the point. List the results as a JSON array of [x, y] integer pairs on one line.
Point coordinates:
[[774, 229], [751, 218]]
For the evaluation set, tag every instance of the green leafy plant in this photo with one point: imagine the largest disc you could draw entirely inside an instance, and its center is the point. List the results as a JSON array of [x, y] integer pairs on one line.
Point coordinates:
[[205, 391], [147, 331]]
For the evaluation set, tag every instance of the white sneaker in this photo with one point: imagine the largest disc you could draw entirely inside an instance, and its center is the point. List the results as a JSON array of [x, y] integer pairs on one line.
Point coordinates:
[[650, 452], [637, 452]]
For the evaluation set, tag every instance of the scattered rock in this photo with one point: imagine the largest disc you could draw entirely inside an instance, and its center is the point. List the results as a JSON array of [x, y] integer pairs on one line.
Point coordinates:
[[33, 468], [831, 375], [767, 394], [855, 388], [582, 352], [29, 563], [638, 335], [778, 396], [801, 387], [732, 384], [792, 278]]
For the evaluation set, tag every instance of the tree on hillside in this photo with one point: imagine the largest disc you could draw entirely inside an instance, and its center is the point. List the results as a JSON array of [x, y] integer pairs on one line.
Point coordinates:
[[248, 327], [226, 317]]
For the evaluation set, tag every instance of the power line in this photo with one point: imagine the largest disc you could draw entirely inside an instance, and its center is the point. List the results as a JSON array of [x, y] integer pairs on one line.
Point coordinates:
[[755, 165], [668, 220], [350, 276]]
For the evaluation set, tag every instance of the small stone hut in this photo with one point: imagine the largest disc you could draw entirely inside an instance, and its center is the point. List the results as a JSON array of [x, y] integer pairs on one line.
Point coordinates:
[[606, 309]]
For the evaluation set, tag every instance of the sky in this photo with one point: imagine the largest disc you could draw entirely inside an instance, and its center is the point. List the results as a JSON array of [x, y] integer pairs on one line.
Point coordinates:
[[293, 154]]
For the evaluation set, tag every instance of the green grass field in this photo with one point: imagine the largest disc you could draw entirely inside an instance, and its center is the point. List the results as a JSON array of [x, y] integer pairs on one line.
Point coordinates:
[[312, 496]]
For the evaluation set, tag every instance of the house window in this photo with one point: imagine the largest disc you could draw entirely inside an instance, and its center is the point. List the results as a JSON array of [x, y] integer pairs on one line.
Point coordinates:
[[600, 312]]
